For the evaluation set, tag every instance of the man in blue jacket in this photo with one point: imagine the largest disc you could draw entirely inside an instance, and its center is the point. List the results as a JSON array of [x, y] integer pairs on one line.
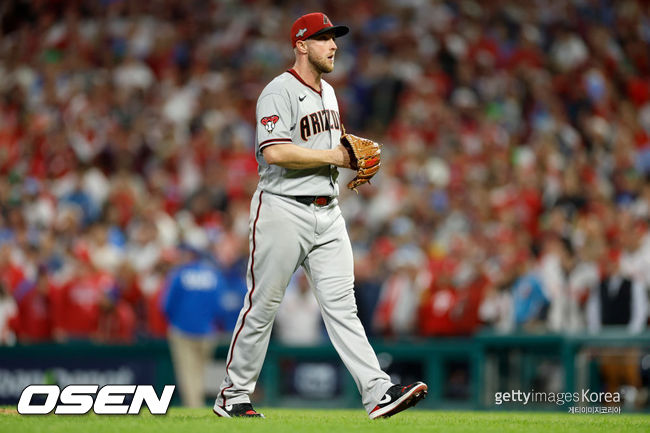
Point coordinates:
[[192, 305]]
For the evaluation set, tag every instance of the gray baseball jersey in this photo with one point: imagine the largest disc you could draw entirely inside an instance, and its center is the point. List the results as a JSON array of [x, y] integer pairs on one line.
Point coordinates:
[[286, 233], [291, 111]]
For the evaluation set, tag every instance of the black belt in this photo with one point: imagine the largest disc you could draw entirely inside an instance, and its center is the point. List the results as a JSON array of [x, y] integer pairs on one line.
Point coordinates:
[[320, 200]]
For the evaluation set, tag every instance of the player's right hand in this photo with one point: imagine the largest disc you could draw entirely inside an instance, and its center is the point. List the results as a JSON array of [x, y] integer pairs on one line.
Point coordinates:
[[341, 157]]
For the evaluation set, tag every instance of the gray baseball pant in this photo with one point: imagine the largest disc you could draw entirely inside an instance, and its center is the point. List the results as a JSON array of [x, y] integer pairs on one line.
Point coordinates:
[[285, 234]]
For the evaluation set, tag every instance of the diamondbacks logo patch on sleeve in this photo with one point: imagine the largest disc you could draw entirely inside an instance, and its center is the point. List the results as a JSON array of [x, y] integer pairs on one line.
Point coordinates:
[[270, 121]]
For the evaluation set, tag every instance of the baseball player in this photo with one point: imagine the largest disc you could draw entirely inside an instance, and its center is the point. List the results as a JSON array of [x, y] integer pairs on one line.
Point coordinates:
[[295, 221]]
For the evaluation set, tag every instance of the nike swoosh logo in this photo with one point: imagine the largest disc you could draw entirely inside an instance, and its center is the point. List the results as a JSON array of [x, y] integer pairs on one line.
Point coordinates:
[[302, 98], [229, 407], [385, 399]]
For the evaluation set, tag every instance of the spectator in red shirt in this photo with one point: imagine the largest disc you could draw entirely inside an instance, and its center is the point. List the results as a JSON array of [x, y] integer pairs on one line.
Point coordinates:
[[77, 304], [10, 273], [450, 306], [117, 321], [33, 297]]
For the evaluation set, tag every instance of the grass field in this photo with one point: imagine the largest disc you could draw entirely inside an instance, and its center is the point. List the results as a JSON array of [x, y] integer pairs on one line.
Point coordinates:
[[327, 421]]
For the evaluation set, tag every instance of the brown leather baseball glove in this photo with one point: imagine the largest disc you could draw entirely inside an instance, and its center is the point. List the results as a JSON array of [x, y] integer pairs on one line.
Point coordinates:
[[365, 158]]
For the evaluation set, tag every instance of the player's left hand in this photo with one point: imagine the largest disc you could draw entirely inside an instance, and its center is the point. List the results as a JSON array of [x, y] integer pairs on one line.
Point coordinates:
[[365, 158]]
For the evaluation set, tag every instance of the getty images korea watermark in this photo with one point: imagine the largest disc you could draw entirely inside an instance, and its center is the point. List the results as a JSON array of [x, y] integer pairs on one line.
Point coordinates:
[[585, 401]]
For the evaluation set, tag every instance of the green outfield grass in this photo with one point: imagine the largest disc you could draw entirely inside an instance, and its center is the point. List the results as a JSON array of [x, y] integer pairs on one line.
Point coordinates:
[[327, 421]]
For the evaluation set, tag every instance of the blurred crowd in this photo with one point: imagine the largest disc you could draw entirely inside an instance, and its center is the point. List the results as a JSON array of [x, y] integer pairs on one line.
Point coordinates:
[[514, 193]]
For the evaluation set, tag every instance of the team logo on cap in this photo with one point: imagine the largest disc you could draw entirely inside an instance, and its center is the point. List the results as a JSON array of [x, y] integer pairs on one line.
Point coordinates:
[[301, 32], [270, 121], [326, 20]]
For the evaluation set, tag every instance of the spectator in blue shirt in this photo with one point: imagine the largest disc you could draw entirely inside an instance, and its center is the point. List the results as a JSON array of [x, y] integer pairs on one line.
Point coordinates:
[[78, 196], [232, 258], [530, 304], [192, 304]]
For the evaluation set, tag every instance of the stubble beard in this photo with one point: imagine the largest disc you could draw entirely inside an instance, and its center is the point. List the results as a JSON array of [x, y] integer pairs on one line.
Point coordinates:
[[322, 66]]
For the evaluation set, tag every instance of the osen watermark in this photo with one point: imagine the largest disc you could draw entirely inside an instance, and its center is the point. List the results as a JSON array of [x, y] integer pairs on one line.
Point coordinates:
[[81, 399]]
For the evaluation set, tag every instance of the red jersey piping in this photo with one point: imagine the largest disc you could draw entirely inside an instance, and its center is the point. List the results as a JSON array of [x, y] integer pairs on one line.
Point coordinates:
[[295, 74]]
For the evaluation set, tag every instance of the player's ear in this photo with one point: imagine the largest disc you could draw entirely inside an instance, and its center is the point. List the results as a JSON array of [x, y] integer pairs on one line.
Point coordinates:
[[301, 46]]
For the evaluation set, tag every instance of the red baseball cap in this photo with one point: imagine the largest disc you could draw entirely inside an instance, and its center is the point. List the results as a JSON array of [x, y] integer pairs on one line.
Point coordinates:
[[314, 24]]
